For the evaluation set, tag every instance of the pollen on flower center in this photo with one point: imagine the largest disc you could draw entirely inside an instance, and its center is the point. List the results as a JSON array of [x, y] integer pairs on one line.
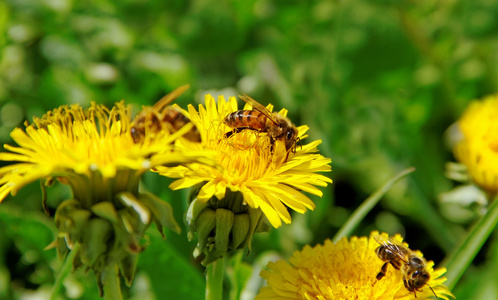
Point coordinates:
[[247, 153]]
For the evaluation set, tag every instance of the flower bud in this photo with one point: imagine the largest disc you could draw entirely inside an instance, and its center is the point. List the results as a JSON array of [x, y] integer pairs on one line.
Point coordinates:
[[222, 225]]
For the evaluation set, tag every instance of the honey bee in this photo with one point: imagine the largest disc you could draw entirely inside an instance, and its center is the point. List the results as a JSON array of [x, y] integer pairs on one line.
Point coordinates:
[[412, 266], [161, 116], [261, 119]]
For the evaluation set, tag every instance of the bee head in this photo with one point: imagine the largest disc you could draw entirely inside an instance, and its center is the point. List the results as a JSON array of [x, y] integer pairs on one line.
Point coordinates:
[[291, 138], [419, 278]]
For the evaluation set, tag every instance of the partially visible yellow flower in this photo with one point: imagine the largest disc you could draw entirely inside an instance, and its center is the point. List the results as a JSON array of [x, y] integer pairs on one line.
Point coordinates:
[[477, 147], [74, 143], [92, 151], [267, 181], [346, 270]]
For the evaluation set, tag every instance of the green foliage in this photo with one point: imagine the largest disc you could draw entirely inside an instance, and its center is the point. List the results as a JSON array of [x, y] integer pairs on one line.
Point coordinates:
[[378, 81]]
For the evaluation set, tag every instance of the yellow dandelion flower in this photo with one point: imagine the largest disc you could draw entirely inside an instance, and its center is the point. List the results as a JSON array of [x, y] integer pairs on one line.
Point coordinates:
[[92, 150], [70, 142], [346, 270], [477, 148], [270, 182]]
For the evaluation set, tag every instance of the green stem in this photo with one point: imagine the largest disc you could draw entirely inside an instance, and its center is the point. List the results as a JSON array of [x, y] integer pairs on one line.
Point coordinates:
[[214, 280], [66, 268], [367, 205], [457, 262], [111, 283]]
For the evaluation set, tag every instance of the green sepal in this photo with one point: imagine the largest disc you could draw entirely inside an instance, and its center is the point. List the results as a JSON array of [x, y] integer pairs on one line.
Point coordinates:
[[240, 230], [100, 283], [205, 223], [194, 209], [129, 200], [62, 249], [162, 212], [62, 212], [77, 263], [106, 211], [130, 231], [128, 267], [71, 221], [256, 216], [224, 224], [95, 241]]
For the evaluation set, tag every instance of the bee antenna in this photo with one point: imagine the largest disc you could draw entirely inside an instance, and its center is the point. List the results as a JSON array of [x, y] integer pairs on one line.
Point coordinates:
[[432, 290]]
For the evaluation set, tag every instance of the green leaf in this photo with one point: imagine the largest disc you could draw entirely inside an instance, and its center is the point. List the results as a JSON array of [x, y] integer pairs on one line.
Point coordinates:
[[459, 260], [171, 275], [360, 213]]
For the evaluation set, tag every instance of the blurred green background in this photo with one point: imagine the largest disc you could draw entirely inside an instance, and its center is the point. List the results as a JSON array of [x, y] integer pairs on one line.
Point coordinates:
[[378, 81]]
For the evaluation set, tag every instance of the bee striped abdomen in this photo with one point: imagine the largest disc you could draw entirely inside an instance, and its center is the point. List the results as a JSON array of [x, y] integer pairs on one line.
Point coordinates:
[[251, 119]]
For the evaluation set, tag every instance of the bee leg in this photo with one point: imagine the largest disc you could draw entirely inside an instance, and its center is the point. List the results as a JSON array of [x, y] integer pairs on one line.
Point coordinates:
[[394, 265], [272, 144], [383, 271], [235, 130], [410, 288], [300, 144], [137, 134]]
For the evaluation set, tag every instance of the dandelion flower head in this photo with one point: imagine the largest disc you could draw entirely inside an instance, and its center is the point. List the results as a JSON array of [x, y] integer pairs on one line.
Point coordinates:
[[346, 270], [268, 181], [477, 147], [71, 143], [93, 151]]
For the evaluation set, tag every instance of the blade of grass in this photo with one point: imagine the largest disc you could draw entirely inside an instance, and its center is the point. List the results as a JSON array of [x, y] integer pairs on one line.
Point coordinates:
[[367, 205], [458, 261]]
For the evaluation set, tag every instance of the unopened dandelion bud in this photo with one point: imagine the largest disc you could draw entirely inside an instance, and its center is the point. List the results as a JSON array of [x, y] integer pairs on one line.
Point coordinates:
[[222, 225]]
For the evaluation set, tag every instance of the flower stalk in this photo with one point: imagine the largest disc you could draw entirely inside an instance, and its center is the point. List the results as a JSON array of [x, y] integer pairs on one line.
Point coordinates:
[[214, 280], [111, 283]]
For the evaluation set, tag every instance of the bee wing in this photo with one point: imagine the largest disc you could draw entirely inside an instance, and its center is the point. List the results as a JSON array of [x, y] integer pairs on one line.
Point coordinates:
[[259, 107], [394, 246], [164, 101]]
